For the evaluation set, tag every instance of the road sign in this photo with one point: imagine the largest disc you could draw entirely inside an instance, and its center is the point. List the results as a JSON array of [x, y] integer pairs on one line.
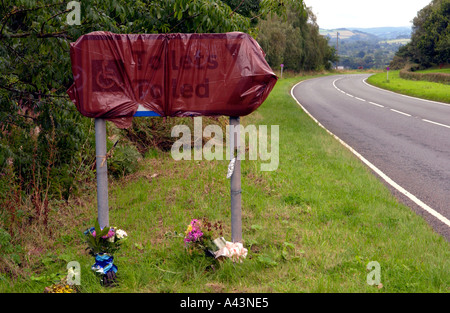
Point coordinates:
[[168, 74]]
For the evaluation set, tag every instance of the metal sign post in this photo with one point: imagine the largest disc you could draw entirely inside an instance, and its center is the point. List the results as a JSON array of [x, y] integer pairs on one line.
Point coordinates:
[[102, 172], [235, 182]]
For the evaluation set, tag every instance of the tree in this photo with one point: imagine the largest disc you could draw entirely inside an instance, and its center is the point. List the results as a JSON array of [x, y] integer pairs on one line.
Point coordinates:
[[430, 37], [299, 46], [361, 54], [46, 146], [269, 32]]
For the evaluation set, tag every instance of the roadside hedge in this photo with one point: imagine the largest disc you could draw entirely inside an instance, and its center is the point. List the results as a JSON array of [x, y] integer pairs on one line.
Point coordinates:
[[442, 78]]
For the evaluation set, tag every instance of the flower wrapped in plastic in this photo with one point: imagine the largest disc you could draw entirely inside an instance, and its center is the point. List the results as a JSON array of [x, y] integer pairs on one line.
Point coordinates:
[[200, 233], [233, 250]]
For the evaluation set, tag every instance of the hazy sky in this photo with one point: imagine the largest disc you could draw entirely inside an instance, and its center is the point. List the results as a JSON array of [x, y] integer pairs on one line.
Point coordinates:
[[365, 13]]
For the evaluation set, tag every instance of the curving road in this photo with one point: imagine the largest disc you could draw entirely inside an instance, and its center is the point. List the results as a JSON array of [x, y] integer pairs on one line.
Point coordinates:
[[404, 140]]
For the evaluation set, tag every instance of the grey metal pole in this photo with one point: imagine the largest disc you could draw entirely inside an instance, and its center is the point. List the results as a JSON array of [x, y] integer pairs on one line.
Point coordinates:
[[235, 183], [102, 172]]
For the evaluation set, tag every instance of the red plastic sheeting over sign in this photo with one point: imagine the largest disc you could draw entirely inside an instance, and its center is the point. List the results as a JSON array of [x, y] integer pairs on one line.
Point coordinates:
[[170, 74]]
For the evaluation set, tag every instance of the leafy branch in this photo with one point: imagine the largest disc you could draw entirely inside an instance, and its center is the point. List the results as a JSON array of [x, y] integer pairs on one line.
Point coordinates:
[[17, 10]]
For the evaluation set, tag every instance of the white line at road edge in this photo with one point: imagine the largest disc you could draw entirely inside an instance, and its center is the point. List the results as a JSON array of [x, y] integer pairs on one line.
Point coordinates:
[[436, 123], [406, 96], [402, 190]]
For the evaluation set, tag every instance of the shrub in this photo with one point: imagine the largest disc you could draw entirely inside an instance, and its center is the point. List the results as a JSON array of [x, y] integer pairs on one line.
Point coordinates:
[[442, 78], [124, 160]]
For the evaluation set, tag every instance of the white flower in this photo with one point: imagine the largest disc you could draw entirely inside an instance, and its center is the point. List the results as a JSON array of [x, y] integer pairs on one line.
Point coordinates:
[[121, 234], [234, 251]]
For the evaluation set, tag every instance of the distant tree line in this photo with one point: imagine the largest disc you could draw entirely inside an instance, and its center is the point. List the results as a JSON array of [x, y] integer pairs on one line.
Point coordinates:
[[366, 54], [294, 41], [430, 40]]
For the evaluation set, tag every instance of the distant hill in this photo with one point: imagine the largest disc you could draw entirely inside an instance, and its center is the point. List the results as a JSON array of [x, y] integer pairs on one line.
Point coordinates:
[[387, 33], [347, 34], [367, 47], [369, 34]]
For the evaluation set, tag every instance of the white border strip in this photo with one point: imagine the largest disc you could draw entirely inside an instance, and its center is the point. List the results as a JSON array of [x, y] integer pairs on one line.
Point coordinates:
[[436, 214], [435, 123]]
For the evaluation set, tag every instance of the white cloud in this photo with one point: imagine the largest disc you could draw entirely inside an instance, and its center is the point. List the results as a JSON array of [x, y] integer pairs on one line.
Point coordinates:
[[358, 13]]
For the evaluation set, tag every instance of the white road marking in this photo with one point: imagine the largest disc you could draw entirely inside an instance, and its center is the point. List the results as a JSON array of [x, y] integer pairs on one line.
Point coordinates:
[[386, 178], [393, 110], [436, 123], [378, 105], [400, 112]]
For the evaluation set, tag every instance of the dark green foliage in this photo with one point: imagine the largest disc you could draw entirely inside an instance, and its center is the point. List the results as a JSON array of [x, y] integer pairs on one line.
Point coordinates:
[[247, 8], [8, 251], [124, 160], [44, 141], [155, 132], [430, 40]]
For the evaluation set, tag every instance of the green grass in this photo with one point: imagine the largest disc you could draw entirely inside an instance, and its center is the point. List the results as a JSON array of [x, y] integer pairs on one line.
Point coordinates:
[[312, 225], [420, 89], [436, 70]]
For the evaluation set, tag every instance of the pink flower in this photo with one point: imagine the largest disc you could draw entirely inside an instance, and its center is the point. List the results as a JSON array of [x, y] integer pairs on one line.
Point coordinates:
[[109, 235]]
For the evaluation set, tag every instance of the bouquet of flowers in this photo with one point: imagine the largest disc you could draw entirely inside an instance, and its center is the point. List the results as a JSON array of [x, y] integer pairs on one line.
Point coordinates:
[[106, 240], [200, 235]]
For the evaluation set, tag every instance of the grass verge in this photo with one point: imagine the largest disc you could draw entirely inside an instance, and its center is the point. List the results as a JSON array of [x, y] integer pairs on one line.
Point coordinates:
[[436, 70], [421, 89], [313, 225]]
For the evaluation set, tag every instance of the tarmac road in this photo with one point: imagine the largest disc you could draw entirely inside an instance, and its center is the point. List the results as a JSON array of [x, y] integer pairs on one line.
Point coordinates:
[[405, 140]]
